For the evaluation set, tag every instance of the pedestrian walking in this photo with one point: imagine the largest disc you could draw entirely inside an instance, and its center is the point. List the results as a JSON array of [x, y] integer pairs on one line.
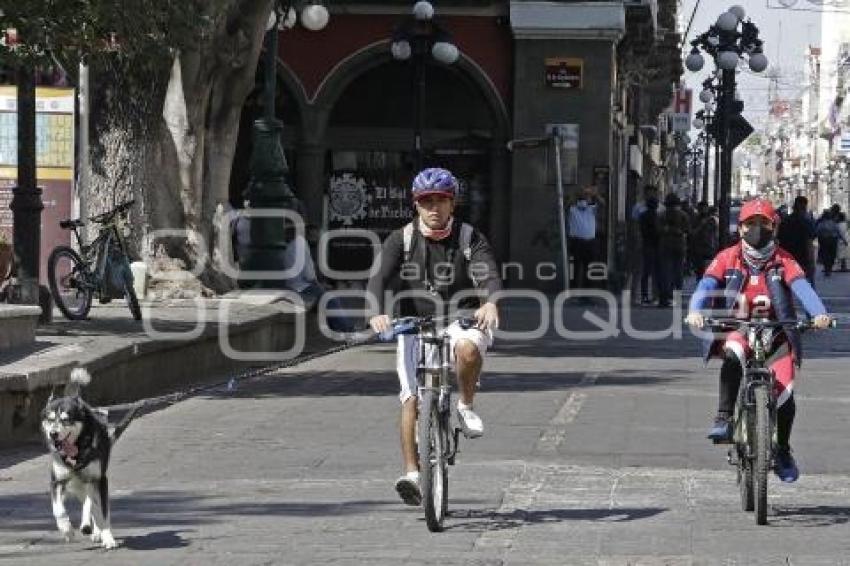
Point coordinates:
[[703, 239], [843, 249], [650, 193], [650, 258], [828, 236], [673, 233], [797, 234]]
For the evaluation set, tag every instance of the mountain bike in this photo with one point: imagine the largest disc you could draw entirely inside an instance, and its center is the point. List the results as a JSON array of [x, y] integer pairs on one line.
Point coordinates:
[[101, 269], [754, 419], [437, 439]]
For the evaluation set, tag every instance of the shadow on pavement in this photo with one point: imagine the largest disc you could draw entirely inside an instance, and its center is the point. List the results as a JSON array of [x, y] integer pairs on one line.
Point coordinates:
[[493, 521], [385, 383], [152, 509], [154, 541], [814, 516]]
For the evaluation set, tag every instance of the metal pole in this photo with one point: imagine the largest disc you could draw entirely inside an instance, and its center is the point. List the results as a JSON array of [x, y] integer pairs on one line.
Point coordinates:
[[694, 171], [726, 165], [716, 187], [26, 202], [418, 109], [705, 168], [84, 164], [556, 140], [270, 78]]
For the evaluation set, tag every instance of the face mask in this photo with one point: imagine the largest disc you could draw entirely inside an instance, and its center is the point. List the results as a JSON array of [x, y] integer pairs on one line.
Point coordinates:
[[758, 236]]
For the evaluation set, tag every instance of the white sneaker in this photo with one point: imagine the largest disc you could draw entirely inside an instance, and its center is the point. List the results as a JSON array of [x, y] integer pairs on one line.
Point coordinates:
[[470, 423], [407, 487]]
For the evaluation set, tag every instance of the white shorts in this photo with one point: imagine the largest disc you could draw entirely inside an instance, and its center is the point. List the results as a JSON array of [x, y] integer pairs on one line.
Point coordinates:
[[408, 350]]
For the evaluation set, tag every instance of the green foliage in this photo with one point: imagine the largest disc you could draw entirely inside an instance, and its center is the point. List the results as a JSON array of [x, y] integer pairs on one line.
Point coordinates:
[[69, 31]]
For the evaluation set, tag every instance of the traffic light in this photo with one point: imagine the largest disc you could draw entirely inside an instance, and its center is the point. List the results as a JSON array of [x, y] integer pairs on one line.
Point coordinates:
[[739, 128]]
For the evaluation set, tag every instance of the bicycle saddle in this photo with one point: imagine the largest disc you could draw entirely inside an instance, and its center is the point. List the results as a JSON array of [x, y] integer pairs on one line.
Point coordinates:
[[68, 224]]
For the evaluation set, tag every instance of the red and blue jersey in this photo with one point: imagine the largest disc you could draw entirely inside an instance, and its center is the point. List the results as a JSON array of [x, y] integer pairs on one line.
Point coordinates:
[[754, 299]]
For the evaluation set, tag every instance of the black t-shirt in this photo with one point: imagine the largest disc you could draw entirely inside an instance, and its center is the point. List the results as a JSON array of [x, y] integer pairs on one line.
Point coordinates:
[[436, 271]]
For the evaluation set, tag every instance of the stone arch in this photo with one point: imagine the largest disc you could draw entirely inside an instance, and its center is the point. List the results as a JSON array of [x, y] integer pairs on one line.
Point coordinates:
[[376, 54], [494, 208]]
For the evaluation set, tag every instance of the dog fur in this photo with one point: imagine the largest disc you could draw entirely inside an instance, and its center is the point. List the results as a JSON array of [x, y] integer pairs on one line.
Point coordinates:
[[80, 442]]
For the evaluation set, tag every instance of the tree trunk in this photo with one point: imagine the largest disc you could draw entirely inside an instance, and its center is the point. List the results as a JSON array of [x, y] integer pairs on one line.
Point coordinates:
[[170, 143]]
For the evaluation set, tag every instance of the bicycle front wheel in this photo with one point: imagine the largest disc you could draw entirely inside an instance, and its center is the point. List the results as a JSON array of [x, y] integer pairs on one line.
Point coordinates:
[[130, 292], [761, 456], [67, 277], [433, 468]]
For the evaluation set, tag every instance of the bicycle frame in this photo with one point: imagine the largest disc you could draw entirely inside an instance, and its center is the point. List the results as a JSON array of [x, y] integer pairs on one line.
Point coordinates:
[[97, 253], [434, 347]]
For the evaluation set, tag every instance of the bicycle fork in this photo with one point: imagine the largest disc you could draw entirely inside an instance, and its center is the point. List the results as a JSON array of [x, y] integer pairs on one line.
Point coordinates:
[[742, 448]]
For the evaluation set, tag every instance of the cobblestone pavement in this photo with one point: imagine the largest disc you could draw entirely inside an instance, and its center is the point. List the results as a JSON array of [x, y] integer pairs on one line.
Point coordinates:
[[594, 453]]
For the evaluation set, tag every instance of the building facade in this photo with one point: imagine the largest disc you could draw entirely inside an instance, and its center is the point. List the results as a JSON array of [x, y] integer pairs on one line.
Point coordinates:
[[602, 71]]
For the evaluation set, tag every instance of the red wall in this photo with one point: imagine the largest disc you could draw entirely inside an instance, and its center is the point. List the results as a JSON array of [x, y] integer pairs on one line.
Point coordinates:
[[312, 55]]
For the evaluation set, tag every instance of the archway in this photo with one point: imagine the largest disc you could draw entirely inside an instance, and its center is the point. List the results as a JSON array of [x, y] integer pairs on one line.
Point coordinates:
[[369, 137]]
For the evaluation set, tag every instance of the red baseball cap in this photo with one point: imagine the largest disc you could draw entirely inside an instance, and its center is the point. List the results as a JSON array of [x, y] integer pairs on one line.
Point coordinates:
[[757, 207]]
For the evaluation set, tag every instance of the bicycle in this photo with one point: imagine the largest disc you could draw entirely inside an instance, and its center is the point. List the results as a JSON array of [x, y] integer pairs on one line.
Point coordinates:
[[437, 441], [101, 268], [754, 419]]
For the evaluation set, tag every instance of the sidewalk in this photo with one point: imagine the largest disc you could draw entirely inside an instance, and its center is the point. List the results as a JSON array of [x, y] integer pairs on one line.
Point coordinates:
[[178, 343]]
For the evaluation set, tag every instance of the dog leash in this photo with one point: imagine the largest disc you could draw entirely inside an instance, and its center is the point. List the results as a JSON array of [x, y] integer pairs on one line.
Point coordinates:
[[151, 404]]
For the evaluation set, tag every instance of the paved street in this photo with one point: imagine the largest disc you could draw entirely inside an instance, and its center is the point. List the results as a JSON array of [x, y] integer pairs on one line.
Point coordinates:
[[594, 453]]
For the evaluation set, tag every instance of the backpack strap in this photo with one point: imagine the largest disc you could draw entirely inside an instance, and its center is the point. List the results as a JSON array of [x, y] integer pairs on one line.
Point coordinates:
[[465, 241], [407, 236]]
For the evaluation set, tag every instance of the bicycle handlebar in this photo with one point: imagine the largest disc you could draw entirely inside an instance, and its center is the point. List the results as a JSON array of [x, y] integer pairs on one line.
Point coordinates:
[[737, 323], [119, 209], [412, 325]]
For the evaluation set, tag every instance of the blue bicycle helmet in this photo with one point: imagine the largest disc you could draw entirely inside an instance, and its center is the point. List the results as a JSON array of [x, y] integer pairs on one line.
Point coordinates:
[[434, 181]]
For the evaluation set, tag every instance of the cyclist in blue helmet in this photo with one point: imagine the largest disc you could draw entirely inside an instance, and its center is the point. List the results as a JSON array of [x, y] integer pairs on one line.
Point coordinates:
[[437, 259]]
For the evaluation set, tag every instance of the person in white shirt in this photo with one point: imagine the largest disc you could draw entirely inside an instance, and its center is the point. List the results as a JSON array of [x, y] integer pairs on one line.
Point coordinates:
[[581, 225]]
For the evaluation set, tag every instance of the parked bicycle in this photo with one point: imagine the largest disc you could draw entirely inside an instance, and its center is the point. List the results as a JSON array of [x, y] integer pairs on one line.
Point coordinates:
[[436, 437], [101, 269], [754, 419]]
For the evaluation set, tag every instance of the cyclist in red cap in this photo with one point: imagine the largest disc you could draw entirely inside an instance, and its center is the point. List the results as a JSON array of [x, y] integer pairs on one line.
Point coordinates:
[[755, 278]]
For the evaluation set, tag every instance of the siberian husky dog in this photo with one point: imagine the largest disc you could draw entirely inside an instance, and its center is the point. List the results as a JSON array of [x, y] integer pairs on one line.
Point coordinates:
[[79, 440]]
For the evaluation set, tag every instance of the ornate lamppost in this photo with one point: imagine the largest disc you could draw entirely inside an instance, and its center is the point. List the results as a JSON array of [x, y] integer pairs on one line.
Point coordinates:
[[269, 186], [728, 41], [418, 38]]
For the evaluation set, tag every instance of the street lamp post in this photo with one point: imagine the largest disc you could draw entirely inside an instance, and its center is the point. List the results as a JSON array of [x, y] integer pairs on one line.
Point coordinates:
[[26, 202], [416, 39], [704, 121], [269, 186], [727, 41]]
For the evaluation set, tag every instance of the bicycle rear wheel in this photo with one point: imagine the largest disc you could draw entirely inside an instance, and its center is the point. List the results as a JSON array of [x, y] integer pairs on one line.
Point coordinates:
[[761, 457], [68, 281], [432, 461]]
